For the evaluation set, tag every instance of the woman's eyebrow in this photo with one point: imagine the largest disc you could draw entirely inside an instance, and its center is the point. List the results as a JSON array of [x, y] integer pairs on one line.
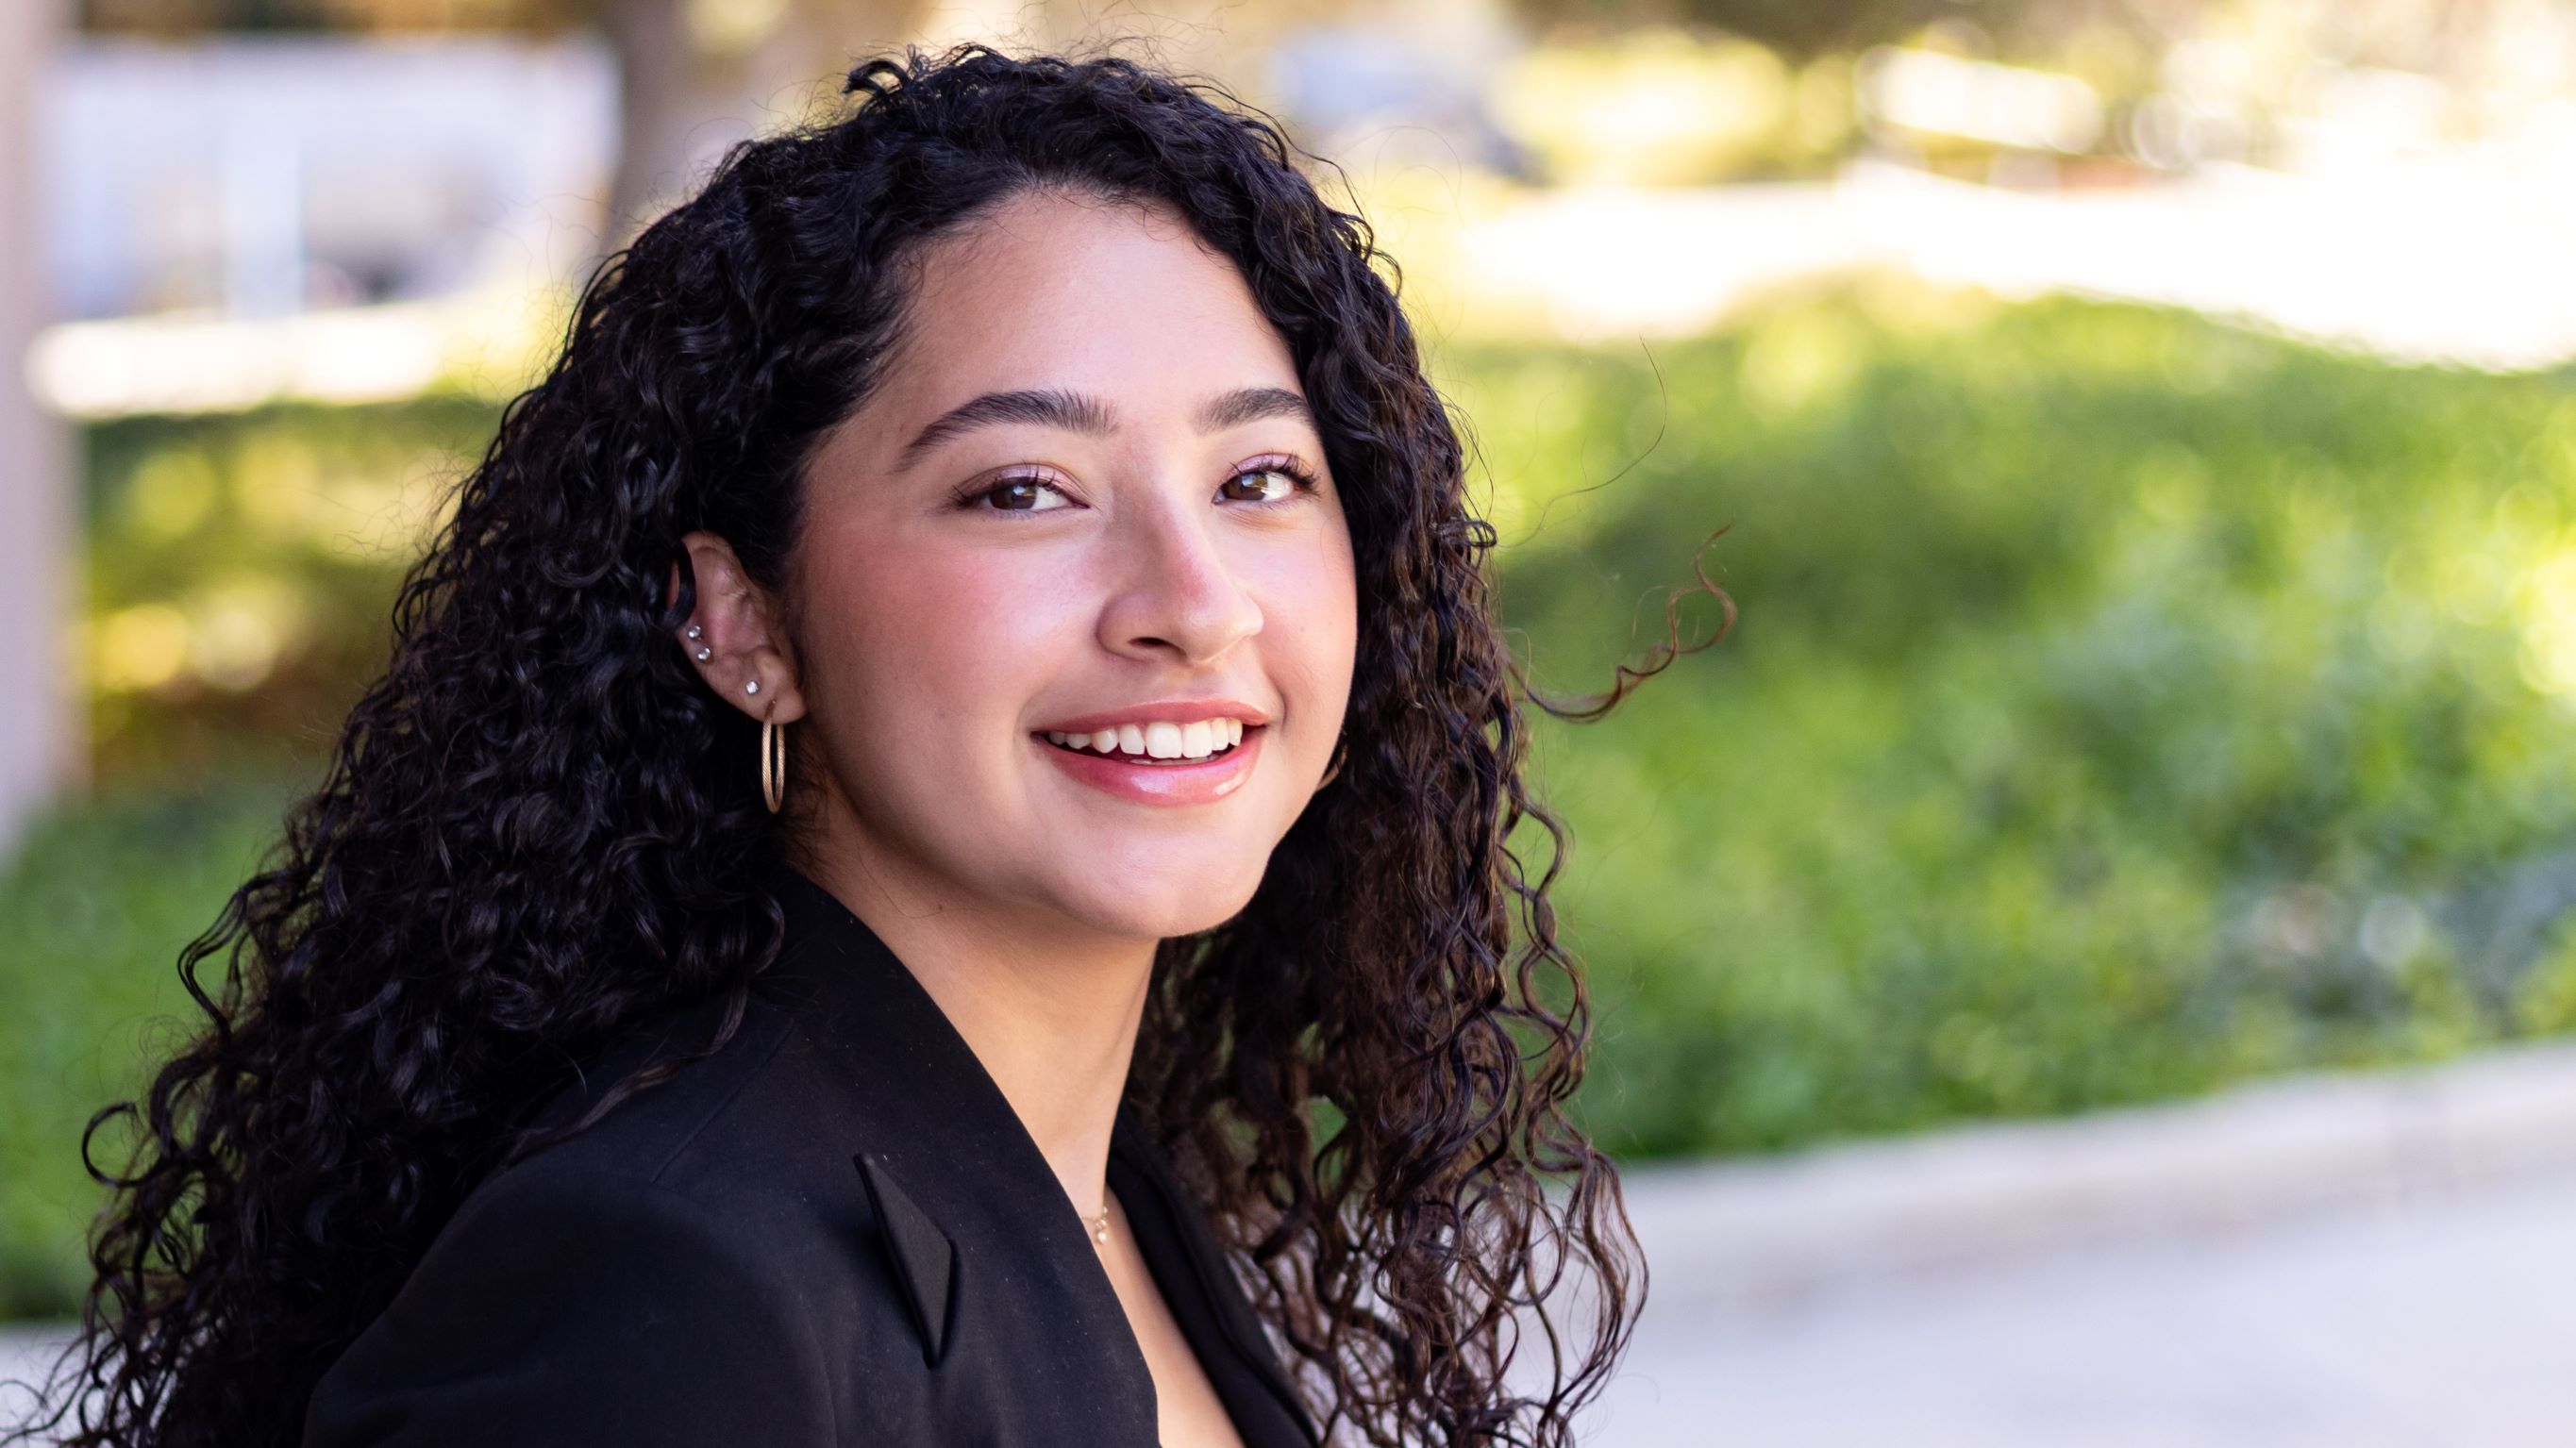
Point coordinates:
[[1081, 412], [1252, 404]]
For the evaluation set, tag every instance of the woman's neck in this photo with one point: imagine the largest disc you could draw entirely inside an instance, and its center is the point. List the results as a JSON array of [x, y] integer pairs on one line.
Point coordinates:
[[1052, 1017]]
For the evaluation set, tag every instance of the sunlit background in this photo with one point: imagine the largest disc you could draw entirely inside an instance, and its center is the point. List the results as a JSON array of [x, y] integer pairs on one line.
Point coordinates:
[[2145, 434]]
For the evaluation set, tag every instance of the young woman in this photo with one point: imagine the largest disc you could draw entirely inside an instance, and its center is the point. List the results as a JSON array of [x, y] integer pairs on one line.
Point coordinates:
[[929, 865]]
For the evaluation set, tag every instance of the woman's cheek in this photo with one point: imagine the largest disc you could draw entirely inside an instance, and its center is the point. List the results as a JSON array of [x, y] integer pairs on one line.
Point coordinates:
[[1311, 615], [982, 630]]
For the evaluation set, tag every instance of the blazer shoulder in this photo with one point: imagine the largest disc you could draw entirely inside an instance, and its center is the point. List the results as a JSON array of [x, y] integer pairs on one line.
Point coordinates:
[[563, 1306], [642, 1133]]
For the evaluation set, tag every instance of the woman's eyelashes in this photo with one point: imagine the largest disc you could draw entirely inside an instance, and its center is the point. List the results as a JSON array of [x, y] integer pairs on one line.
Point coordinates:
[[1027, 493]]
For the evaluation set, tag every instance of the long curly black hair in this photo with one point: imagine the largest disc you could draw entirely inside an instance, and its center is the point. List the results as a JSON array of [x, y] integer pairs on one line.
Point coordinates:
[[538, 824]]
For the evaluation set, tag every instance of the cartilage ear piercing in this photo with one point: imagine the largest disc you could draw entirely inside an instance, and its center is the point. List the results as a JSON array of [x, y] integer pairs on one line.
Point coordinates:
[[751, 686]]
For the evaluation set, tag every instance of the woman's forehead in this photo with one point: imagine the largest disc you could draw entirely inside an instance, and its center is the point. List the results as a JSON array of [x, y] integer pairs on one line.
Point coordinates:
[[1054, 273], [1075, 317]]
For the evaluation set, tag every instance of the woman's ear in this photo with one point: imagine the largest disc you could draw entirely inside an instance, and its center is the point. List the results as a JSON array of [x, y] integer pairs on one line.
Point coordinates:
[[733, 637]]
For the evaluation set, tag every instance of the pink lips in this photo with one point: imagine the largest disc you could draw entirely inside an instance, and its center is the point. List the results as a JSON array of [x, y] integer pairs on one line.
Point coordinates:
[[1162, 782]]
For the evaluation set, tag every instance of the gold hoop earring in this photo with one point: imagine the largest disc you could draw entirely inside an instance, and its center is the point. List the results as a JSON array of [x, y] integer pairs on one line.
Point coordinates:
[[773, 763], [1340, 747]]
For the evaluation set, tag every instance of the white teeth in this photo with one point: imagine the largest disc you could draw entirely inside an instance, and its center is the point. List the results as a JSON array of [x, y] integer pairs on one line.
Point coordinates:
[[1157, 740]]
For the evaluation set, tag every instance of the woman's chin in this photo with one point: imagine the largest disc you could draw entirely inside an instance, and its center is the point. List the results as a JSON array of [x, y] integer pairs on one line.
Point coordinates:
[[1179, 903]]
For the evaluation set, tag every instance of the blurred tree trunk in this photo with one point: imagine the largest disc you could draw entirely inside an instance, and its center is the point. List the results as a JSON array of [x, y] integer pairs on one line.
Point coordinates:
[[43, 731], [656, 103], [689, 86]]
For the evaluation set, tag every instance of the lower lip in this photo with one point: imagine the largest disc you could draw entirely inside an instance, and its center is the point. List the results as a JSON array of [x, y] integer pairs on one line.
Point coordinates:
[[1205, 782]]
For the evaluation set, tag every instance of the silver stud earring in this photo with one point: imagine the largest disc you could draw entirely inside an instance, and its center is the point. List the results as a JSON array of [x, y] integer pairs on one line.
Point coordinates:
[[696, 632], [751, 686], [705, 653]]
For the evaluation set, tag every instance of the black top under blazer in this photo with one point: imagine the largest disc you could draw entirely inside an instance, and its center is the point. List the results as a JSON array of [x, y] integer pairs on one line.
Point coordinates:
[[834, 1231]]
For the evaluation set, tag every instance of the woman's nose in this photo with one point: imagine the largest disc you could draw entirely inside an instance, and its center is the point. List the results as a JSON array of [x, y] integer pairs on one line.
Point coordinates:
[[1179, 593]]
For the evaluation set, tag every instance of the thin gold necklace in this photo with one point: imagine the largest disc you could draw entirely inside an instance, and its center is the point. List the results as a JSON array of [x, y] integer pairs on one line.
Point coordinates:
[[1099, 1224]]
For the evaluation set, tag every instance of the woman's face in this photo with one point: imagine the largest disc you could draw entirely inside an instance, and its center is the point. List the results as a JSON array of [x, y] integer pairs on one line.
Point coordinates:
[[1077, 507]]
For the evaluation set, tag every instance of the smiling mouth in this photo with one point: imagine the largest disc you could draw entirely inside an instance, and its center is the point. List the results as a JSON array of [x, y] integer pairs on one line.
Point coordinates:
[[1120, 754]]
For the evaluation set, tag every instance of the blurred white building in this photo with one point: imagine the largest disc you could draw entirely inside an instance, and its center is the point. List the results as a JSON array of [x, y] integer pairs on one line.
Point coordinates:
[[258, 175]]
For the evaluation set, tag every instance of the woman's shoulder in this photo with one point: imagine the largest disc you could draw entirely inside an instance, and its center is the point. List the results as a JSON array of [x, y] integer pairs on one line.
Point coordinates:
[[566, 1302], [652, 1126], [693, 1250], [741, 1118]]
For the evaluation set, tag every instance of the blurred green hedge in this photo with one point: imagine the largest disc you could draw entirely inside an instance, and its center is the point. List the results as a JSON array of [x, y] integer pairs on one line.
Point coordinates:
[[242, 567], [2121, 704], [95, 909]]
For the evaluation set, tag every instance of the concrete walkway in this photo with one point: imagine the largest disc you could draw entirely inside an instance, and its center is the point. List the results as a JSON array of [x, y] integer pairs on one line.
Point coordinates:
[[2384, 1260], [2374, 1328], [2339, 1261]]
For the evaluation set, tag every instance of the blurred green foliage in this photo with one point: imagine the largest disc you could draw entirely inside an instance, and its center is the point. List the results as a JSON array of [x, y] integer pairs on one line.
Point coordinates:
[[1662, 106], [2121, 704], [242, 568], [96, 907]]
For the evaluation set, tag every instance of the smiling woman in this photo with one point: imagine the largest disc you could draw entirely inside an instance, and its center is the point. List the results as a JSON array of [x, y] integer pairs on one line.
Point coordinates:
[[1138, 495], [1098, 1019]]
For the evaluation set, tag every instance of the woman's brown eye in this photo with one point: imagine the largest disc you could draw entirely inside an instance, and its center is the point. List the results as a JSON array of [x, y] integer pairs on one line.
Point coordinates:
[[1021, 495], [1285, 485]]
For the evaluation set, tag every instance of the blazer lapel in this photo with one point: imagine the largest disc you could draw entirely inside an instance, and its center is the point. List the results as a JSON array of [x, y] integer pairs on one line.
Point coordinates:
[[974, 1223], [923, 1257], [1139, 1165]]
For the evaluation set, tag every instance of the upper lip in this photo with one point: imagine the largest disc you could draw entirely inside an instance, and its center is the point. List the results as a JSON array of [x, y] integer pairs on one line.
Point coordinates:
[[1161, 711]]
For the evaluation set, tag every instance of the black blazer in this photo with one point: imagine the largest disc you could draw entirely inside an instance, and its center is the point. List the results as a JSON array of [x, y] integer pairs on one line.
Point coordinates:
[[834, 1231]]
